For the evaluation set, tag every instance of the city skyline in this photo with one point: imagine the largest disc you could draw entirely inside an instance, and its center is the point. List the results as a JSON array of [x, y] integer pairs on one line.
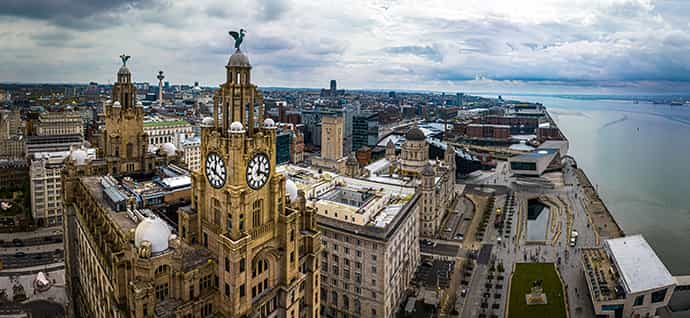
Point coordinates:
[[615, 46]]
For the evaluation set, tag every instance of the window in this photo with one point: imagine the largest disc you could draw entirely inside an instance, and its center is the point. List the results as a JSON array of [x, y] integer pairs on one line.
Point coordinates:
[[227, 289], [241, 222], [256, 213], [659, 296], [227, 264], [242, 291], [162, 291], [639, 300], [242, 265]]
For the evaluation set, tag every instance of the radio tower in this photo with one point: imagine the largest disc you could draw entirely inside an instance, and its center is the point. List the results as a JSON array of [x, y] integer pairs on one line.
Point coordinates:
[[160, 78]]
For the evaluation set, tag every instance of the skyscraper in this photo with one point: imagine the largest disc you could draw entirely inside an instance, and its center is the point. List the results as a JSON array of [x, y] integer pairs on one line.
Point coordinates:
[[334, 88]]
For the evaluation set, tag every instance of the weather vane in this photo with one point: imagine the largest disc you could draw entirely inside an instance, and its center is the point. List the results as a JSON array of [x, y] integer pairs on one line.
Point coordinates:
[[124, 59], [238, 37]]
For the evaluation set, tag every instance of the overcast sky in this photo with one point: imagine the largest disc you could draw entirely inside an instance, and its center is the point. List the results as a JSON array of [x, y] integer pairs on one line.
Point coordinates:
[[594, 46]]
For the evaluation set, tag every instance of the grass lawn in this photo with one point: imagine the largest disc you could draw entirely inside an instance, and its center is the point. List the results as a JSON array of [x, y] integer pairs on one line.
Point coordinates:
[[521, 284]]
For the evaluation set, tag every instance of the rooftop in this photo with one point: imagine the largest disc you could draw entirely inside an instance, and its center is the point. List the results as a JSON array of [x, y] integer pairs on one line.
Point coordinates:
[[640, 267]]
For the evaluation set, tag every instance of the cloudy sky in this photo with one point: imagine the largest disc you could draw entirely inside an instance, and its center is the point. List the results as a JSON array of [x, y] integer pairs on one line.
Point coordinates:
[[593, 46]]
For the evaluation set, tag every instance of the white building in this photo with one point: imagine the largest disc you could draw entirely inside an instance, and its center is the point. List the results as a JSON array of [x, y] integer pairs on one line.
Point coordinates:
[[46, 183], [626, 278], [162, 130], [191, 153], [369, 238]]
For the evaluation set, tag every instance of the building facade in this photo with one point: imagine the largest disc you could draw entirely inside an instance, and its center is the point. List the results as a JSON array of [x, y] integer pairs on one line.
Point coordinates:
[[365, 130], [242, 248], [332, 137], [59, 124], [191, 153], [46, 186], [370, 240], [167, 130]]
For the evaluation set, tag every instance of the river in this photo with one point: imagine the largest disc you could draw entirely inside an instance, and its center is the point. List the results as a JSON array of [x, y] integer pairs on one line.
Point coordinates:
[[638, 156]]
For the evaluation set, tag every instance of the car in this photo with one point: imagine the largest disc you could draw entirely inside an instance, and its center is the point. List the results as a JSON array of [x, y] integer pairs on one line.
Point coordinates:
[[18, 242], [19, 254], [459, 237], [573, 238], [427, 242], [463, 293]]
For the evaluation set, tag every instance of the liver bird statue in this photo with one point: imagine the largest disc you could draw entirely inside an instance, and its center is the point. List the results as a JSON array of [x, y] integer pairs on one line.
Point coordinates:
[[124, 59], [238, 37]]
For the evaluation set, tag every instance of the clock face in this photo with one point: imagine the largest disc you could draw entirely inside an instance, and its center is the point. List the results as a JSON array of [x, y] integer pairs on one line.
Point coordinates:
[[258, 171], [215, 170]]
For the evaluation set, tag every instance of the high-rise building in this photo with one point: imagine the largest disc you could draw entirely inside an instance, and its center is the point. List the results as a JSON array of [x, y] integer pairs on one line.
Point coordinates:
[[331, 137], [334, 88], [246, 246], [365, 130], [283, 140]]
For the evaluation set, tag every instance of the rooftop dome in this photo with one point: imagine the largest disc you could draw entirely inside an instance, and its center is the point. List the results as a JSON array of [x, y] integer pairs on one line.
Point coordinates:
[[78, 156], [291, 189], [123, 70], [154, 230], [428, 171], [269, 123], [415, 134], [239, 59], [207, 122], [168, 149], [236, 127], [140, 104], [116, 104]]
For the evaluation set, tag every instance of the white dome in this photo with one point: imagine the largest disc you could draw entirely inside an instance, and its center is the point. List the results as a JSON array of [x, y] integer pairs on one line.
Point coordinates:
[[269, 123], [78, 156], [207, 122], [116, 104], [236, 127], [154, 230], [291, 189], [168, 149]]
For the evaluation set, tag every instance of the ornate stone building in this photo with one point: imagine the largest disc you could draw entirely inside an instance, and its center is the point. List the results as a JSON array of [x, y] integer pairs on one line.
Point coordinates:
[[414, 154], [242, 248], [124, 142]]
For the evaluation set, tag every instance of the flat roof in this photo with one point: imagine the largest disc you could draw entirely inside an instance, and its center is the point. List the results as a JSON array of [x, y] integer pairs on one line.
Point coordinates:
[[640, 267]]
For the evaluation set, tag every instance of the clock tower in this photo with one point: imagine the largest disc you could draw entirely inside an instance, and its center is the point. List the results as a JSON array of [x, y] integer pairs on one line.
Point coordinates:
[[265, 240]]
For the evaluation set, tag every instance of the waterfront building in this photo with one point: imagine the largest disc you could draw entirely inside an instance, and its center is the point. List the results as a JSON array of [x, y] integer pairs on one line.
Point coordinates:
[[435, 182], [626, 278], [414, 154], [242, 248], [370, 239]]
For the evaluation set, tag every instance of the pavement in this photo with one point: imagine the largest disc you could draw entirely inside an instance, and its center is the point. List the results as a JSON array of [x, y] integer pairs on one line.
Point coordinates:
[[487, 297]]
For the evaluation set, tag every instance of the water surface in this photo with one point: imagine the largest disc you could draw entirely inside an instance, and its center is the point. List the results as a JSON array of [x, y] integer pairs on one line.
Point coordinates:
[[638, 156]]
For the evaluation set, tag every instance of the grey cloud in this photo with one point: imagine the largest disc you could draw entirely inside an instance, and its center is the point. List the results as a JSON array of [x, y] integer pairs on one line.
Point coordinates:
[[428, 52], [71, 13]]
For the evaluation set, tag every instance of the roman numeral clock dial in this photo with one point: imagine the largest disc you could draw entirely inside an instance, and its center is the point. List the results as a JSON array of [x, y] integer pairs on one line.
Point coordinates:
[[216, 172], [258, 171]]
